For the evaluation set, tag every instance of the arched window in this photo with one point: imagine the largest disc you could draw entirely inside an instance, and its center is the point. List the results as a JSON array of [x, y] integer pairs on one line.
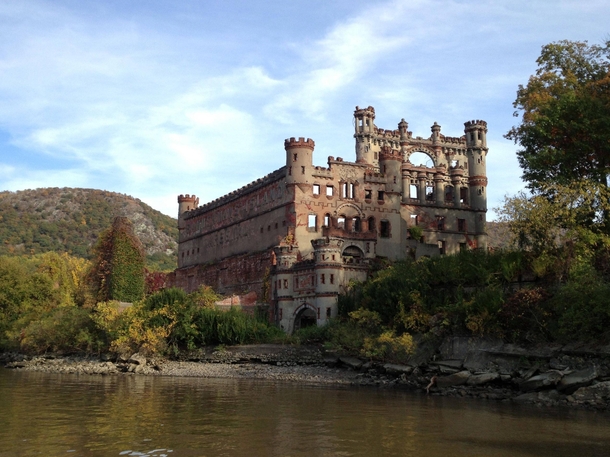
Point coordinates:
[[356, 224], [371, 224]]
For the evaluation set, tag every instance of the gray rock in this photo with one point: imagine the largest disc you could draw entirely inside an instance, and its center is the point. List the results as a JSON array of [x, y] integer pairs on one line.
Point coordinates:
[[396, 369], [137, 358], [530, 397], [597, 394], [351, 362], [457, 379], [542, 381], [484, 378], [573, 381]]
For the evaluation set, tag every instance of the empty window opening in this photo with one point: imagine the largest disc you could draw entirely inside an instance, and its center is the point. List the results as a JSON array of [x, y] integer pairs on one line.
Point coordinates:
[[303, 170], [351, 191], [344, 190], [285, 284], [449, 193], [289, 171], [380, 195], [368, 194], [413, 191], [295, 157], [371, 224], [429, 192], [414, 220], [330, 191], [322, 278], [341, 222], [464, 195], [327, 220], [356, 224], [384, 229], [441, 247], [461, 225], [440, 222], [332, 276], [328, 313], [312, 221], [316, 189]]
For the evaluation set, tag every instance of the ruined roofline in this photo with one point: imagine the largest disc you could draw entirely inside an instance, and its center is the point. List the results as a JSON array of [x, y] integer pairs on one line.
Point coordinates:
[[272, 177]]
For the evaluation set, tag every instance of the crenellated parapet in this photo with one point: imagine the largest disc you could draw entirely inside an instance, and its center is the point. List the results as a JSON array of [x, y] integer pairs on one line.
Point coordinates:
[[237, 194], [300, 143]]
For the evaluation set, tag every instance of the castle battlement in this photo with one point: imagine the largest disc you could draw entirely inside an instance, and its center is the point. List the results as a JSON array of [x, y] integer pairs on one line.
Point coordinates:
[[297, 236], [300, 143]]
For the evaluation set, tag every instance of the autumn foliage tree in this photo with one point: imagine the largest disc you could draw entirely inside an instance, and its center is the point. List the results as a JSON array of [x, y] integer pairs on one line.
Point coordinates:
[[118, 272], [564, 132]]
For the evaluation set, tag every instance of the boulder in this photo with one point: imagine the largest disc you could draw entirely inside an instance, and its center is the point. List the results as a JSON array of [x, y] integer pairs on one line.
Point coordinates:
[[457, 379], [396, 369], [598, 394], [137, 358], [542, 381], [351, 362], [574, 381], [484, 378]]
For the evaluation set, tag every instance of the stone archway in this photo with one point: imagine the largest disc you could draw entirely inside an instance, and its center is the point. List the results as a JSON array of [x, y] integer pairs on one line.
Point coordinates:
[[305, 316]]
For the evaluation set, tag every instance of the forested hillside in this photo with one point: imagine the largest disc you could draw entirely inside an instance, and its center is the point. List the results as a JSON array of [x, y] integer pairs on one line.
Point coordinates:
[[70, 220]]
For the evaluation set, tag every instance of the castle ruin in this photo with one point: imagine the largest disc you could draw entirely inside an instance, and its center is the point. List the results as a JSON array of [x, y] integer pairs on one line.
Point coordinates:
[[298, 236]]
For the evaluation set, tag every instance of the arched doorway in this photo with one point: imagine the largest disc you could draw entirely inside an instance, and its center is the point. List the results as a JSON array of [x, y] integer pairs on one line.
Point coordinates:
[[305, 317]]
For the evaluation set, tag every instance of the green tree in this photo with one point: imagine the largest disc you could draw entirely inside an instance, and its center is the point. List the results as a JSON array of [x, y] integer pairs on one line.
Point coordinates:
[[118, 272], [564, 132]]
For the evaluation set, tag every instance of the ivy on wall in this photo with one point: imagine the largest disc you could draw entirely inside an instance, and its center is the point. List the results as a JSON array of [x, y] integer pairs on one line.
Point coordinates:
[[118, 272]]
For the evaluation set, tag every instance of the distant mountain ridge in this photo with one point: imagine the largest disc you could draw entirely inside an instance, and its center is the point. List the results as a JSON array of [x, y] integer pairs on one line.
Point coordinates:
[[71, 219]]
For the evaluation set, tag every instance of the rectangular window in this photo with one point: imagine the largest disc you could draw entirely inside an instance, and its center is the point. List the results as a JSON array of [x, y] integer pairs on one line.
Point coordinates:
[[464, 195], [380, 195], [302, 170], [384, 229], [322, 279], [429, 193], [316, 189], [413, 191], [341, 222], [461, 225], [285, 284], [326, 220], [332, 276], [440, 222], [344, 190], [441, 247], [351, 191], [328, 313], [368, 194], [330, 191], [280, 316], [414, 220], [312, 222]]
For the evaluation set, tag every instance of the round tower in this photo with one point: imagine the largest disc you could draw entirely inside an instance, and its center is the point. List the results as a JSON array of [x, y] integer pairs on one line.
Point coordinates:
[[186, 203], [390, 162], [476, 141], [364, 129], [299, 159], [329, 270]]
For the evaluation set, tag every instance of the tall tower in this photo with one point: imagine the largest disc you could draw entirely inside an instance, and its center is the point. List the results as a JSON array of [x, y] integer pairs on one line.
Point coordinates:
[[476, 142], [185, 203], [390, 162], [365, 128], [299, 160]]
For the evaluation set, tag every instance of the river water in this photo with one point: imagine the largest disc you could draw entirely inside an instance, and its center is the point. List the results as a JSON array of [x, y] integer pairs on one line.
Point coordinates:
[[81, 415]]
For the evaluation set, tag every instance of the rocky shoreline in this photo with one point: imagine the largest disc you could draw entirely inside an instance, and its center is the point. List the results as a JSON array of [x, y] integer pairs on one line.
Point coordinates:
[[573, 376]]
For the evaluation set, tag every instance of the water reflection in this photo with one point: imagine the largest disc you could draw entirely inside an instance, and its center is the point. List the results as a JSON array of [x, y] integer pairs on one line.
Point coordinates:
[[45, 414]]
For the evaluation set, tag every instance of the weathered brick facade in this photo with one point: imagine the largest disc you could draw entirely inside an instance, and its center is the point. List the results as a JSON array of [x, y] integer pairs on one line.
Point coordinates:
[[298, 235]]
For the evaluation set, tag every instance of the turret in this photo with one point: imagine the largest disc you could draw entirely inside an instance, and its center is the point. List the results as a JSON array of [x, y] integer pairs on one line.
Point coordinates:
[[476, 134], [365, 128], [186, 203], [299, 161], [328, 267], [390, 162], [476, 141], [436, 133]]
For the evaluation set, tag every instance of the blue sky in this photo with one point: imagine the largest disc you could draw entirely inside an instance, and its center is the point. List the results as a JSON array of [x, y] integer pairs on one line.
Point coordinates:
[[157, 98]]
